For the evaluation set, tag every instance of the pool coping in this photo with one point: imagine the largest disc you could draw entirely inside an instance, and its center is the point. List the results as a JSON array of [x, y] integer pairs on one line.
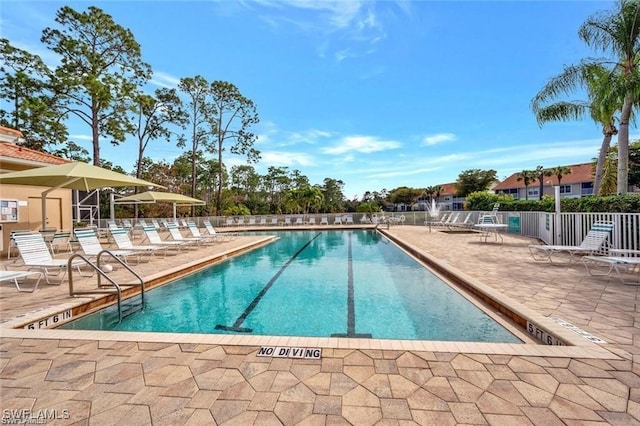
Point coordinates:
[[577, 346]]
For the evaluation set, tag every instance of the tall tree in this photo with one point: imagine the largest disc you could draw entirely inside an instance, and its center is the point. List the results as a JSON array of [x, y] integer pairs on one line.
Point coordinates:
[[541, 172], [100, 72], [474, 180], [154, 116], [527, 177], [197, 89], [332, 191], [617, 33], [231, 118], [559, 172], [28, 101]]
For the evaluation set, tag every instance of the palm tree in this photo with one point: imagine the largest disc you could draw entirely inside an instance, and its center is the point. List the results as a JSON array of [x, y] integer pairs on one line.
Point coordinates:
[[602, 107], [527, 176], [559, 172], [618, 33], [541, 172]]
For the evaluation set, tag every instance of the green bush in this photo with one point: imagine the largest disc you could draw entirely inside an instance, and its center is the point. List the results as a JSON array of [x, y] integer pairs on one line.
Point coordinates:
[[483, 201]]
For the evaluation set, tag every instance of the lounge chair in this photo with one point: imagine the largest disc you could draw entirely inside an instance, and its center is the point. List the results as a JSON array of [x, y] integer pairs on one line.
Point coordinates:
[[298, 221], [337, 220], [155, 223], [60, 240], [439, 221], [241, 221], [252, 221], [154, 238], [176, 235], [263, 221], [195, 233], [464, 224], [595, 240], [220, 236], [349, 220], [324, 221], [274, 221], [12, 243], [230, 222], [312, 220], [14, 276], [616, 266], [90, 244], [121, 238], [287, 220], [36, 256]]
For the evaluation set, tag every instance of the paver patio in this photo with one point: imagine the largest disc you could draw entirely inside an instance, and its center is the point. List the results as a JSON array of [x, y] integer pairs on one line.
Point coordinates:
[[152, 378]]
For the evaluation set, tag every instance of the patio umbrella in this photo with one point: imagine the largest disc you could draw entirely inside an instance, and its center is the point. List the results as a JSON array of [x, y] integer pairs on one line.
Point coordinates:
[[74, 175], [158, 197]]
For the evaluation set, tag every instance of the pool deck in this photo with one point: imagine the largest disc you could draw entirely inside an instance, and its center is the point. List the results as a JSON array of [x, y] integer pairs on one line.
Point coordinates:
[[84, 377]]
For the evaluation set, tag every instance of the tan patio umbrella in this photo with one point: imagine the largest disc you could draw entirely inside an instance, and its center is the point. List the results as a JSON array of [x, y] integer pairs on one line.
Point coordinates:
[[74, 175], [158, 197]]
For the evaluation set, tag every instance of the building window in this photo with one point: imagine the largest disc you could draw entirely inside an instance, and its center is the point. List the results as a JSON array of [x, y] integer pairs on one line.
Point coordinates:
[[586, 188], [532, 192], [565, 189]]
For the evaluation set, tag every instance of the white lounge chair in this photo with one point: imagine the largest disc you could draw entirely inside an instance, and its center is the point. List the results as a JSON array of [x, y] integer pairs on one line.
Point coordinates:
[[36, 256], [299, 221], [312, 220], [287, 220], [88, 240], [263, 221], [220, 236], [121, 238], [324, 221], [14, 276], [154, 238], [61, 240], [349, 220], [439, 221], [337, 220], [615, 266], [195, 233], [595, 240], [175, 233], [274, 221]]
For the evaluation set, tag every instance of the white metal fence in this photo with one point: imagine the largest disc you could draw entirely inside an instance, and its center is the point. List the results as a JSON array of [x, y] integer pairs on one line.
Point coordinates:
[[567, 229]]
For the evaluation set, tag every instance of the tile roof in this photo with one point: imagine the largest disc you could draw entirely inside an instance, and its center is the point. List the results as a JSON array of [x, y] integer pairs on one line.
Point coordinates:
[[10, 150], [579, 173], [11, 132]]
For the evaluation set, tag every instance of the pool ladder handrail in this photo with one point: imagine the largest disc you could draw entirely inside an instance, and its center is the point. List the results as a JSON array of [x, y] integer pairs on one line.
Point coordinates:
[[101, 274]]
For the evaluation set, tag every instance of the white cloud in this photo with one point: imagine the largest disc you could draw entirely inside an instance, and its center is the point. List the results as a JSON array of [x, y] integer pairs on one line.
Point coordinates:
[[438, 138], [362, 144], [279, 158], [164, 80]]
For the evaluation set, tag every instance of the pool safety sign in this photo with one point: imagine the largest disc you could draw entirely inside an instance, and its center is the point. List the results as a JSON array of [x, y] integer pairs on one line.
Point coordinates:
[[290, 352]]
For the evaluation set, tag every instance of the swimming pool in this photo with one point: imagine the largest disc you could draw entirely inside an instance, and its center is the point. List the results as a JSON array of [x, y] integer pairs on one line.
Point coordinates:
[[353, 283]]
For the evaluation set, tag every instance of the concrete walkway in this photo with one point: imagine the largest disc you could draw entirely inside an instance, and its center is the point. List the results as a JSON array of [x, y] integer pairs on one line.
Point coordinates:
[[150, 378]]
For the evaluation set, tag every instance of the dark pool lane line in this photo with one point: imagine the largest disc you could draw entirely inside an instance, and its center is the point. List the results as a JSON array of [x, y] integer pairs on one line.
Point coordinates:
[[351, 308], [237, 325]]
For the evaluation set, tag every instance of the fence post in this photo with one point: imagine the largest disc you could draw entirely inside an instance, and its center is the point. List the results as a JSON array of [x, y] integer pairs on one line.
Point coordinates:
[[558, 224]]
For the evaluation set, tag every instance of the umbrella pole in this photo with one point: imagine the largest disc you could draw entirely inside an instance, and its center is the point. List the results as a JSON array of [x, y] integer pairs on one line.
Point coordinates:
[[175, 216]]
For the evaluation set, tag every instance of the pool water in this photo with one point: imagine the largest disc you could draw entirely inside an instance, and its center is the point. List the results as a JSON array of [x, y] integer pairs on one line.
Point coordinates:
[[352, 283]]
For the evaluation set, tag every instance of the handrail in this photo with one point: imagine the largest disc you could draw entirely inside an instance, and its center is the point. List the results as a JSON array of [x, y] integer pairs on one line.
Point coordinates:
[[96, 267]]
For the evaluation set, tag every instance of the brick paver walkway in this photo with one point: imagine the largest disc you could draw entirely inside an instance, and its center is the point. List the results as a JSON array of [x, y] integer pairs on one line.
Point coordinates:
[[106, 381]]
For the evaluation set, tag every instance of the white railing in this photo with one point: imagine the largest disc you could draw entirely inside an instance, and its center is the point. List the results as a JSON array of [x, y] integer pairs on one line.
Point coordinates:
[[570, 230]]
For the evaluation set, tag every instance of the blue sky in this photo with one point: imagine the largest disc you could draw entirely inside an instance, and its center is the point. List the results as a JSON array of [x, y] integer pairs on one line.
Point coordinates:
[[377, 94]]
